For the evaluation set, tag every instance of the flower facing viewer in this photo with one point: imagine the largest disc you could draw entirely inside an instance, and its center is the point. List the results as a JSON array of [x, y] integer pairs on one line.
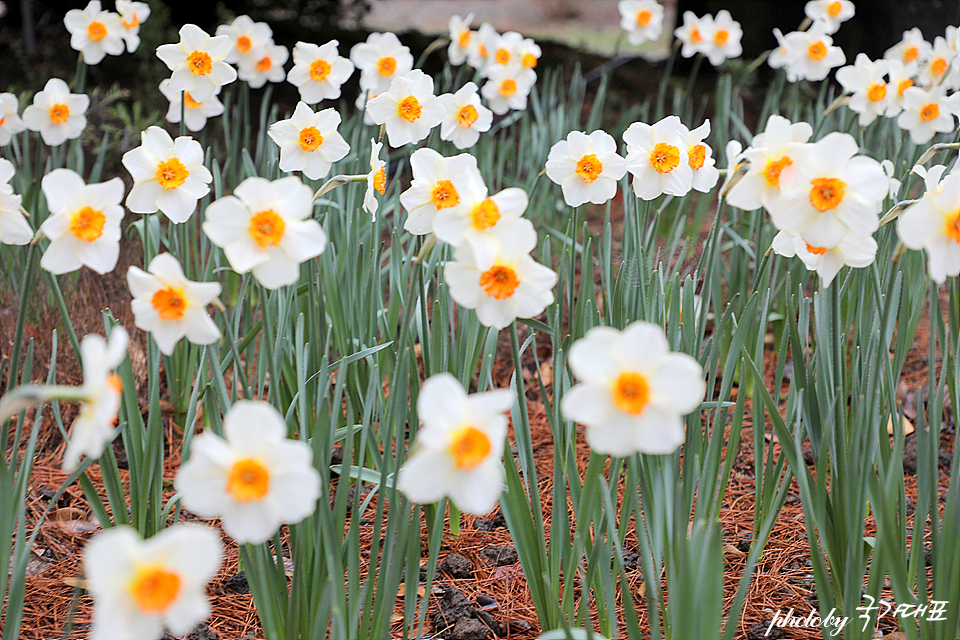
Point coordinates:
[[254, 479], [587, 167], [56, 113], [198, 62], [264, 227], [464, 117], [94, 32], [140, 586], [459, 448], [309, 142], [318, 71], [84, 223], [633, 391], [132, 15], [408, 108], [933, 224], [641, 19], [168, 175], [169, 306]]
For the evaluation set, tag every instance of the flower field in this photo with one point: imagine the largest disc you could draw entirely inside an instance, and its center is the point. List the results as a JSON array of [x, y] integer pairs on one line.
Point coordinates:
[[513, 354]]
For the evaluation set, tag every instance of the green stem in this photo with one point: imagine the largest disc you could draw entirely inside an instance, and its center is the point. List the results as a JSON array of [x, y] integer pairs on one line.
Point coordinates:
[[62, 306], [22, 316]]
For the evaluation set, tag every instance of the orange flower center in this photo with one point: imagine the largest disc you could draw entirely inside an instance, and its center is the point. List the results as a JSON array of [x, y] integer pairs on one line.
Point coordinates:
[[664, 158], [589, 168], [817, 251], [243, 44], [929, 112], [319, 70], [248, 480], [834, 9], [903, 85], [910, 54], [631, 393], [264, 65], [59, 113], [499, 282], [774, 167], [96, 31], [877, 92], [409, 109], [502, 56], [938, 66], [444, 195], [171, 173], [386, 66], [154, 589], [485, 215], [951, 227], [266, 228], [469, 447], [644, 17], [310, 139], [826, 193], [199, 63], [169, 303], [133, 22], [721, 37], [380, 180], [190, 102], [697, 154], [529, 60], [483, 50], [466, 116], [695, 35], [87, 224], [508, 87], [464, 39], [817, 50]]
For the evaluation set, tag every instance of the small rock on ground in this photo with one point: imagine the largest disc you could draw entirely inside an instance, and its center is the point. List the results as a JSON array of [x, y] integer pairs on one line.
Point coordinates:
[[500, 555], [458, 566]]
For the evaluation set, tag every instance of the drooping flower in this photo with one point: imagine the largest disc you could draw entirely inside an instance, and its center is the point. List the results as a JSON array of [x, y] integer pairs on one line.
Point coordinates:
[[933, 224], [381, 59], [460, 36], [928, 112], [266, 63], [198, 62], [700, 159], [458, 450], [14, 228], [769, 154], [93, 428], [195, 114], [587, 167], [140, 586], [309, 142], [724, 39], [318, 71], [657, 157], [829, 12], [829, 191], [439, 184], [504, 286], [376, 180], [507, 88], [169, 306], [464, 117], [264, 227], [633, 392], [853, 250], [94, 32], [132, 15], [84, 223], [10, 121], [56, 113], [168, 175], [871, 95], [408, 108], [641, 19], [911, 48], [254, 478], [246, 38]]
